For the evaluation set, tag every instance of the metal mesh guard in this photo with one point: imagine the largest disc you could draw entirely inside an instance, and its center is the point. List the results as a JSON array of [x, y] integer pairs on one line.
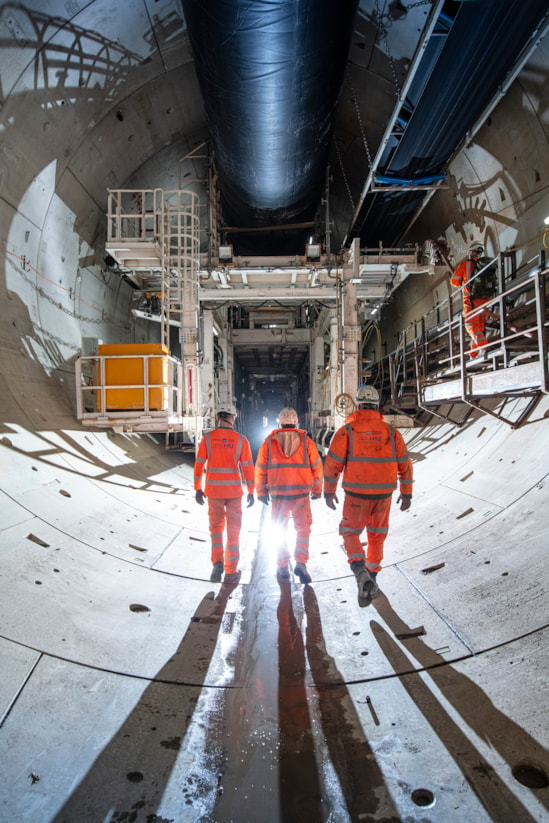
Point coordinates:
[[189, 336], [352, 334]]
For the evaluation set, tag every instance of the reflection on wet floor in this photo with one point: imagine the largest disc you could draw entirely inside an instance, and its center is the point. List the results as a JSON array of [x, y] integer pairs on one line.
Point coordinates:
[[295, 750], [277, 702], [294, 746], [300, 790], [359, 774]]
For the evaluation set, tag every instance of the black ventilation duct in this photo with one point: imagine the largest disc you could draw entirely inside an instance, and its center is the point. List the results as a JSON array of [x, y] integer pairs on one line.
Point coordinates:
[[270, 72]]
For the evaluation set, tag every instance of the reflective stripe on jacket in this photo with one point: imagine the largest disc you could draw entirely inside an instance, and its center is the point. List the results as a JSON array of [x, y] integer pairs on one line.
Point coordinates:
[[224, 453], [288, 464], [372, 456], [462, 273]]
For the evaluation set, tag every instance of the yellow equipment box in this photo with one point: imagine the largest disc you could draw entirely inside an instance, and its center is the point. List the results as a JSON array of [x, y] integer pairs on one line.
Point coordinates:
[[125, 371]]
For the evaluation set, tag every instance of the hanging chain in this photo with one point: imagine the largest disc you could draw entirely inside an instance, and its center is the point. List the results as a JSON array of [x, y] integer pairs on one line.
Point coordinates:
[[384, 32], [344, 176], [105, 318], [419, 3], [361, 124], [384, 22]]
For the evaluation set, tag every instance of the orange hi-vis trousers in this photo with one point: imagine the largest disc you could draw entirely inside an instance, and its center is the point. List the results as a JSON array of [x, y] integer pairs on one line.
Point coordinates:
[[223, 511], [371, 514], [475, 326], [300, 509]]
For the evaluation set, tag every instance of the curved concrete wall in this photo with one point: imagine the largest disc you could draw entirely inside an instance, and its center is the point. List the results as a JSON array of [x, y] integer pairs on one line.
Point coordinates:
[[131, 686]]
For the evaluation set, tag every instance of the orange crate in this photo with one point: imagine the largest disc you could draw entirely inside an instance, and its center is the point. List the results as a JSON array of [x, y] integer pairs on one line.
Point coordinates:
[[126, 370]]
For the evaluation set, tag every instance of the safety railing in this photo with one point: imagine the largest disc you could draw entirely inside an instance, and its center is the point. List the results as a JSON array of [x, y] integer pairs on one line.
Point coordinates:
[[152, 230], [435, 361], [134, 215], [148, 398]]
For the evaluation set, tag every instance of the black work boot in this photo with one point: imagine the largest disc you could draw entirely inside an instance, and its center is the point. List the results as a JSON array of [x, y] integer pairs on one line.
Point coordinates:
[[374, 591], [217, 572], [301, 572], [368, 589]]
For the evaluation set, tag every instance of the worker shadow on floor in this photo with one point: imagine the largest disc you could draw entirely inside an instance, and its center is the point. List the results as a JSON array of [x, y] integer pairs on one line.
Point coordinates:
[[364, 790], [300, 790], [476, 711], [129, 776]]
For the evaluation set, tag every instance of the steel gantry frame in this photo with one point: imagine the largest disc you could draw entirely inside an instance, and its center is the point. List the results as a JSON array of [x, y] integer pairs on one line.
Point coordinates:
[[433, 365]]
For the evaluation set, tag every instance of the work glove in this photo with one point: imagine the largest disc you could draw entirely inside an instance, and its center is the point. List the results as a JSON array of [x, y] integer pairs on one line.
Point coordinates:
[[315, 495], [405, 501], [199, 497], [263, 498], [331, 500], [250, 501]]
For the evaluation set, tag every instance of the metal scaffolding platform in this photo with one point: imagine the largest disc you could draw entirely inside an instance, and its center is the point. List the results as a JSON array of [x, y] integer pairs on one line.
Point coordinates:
[[436, 366]]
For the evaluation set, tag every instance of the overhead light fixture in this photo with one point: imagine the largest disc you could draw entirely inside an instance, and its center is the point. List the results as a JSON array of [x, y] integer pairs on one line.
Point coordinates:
[[312, 253], [226, 256]]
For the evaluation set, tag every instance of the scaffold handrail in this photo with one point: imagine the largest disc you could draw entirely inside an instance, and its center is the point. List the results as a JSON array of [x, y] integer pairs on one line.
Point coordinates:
[[435, 352]]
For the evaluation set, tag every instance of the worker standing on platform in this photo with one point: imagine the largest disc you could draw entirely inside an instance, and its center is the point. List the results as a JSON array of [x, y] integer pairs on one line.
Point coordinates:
[[372, 456], [224, 454], [478, 289], [288, 469]]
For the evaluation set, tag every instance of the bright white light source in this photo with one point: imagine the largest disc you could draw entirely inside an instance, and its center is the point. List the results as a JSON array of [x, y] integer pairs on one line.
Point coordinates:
[[313, 251], [546, 221]]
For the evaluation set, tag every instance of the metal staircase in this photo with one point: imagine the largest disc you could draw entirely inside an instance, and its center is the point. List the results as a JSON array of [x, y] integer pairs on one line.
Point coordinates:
[[432, 366], [152, 238]]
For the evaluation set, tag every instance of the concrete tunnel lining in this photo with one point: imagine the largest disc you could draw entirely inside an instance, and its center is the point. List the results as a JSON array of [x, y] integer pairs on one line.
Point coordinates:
[[179, 713], [474, 619], [100, 472], [155, 523]]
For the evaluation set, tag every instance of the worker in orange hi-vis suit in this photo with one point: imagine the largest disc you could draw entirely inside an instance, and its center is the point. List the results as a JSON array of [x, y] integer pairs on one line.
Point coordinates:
[[288, 469], [477, 290], [373, 458], [226, 456]]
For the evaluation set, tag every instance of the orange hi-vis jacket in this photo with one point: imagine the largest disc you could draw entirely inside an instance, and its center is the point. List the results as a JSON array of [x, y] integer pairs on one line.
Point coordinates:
[[288, 465], [372, 455], [462, 273], [225, 453]]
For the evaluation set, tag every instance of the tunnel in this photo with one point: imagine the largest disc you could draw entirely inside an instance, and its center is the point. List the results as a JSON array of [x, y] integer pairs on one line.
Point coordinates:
[[133, 688]]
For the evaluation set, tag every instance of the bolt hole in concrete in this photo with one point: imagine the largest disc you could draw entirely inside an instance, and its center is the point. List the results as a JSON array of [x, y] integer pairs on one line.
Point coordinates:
[[423, 797], [531, 776]]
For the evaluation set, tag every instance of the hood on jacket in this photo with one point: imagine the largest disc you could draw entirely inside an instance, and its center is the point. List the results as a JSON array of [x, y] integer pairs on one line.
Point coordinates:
[[288, 440]]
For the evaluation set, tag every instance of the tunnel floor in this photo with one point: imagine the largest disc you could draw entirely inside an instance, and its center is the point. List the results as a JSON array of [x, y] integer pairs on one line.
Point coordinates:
[[133, 689]]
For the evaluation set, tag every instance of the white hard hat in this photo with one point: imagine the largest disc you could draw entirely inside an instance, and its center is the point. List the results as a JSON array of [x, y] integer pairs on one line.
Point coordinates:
[[476, 248], [227, 408], [367, 395], [287, 416]]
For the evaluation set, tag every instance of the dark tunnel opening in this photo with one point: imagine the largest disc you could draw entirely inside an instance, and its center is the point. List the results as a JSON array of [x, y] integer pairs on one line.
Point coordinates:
[[267, 378]]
